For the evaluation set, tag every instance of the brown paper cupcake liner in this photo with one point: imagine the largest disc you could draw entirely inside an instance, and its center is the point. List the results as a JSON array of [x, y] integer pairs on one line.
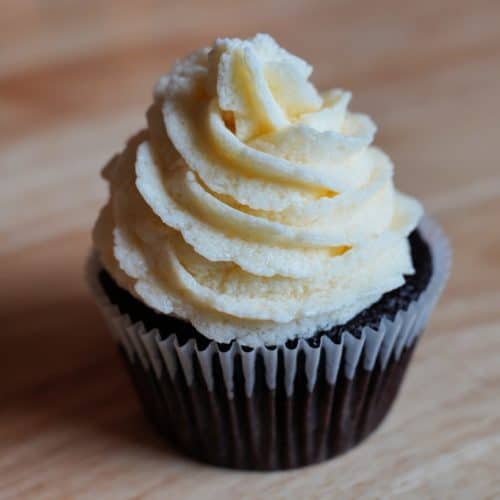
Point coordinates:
[[273, 407]]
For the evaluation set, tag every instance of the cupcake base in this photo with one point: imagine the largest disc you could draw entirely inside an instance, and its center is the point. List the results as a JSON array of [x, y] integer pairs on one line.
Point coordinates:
[[282, 407], [268, 430]]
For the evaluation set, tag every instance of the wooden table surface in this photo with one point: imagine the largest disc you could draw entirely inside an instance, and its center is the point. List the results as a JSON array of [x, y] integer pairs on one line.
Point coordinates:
[[75, 80]]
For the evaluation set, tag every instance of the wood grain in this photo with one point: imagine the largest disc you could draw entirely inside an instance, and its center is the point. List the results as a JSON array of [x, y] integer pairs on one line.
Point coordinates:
[[75, 80]]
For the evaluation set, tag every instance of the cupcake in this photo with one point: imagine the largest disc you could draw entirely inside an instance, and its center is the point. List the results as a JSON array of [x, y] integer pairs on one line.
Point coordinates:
[[264, 281]]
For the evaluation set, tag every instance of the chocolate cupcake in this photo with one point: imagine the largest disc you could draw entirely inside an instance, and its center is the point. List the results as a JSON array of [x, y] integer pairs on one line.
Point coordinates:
[[264, 281]]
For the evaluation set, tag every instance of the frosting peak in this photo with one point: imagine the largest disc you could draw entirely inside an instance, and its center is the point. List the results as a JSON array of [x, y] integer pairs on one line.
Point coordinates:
[[261, 85], [254, 206]]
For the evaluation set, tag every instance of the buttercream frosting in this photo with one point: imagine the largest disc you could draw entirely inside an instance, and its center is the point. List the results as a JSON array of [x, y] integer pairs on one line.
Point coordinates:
[[253, 205]]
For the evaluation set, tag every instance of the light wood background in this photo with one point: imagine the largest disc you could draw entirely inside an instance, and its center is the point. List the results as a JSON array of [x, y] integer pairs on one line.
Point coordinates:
[[75, 80]]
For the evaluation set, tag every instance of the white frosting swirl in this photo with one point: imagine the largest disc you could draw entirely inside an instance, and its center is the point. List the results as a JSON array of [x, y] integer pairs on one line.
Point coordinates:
[[254, 206]]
